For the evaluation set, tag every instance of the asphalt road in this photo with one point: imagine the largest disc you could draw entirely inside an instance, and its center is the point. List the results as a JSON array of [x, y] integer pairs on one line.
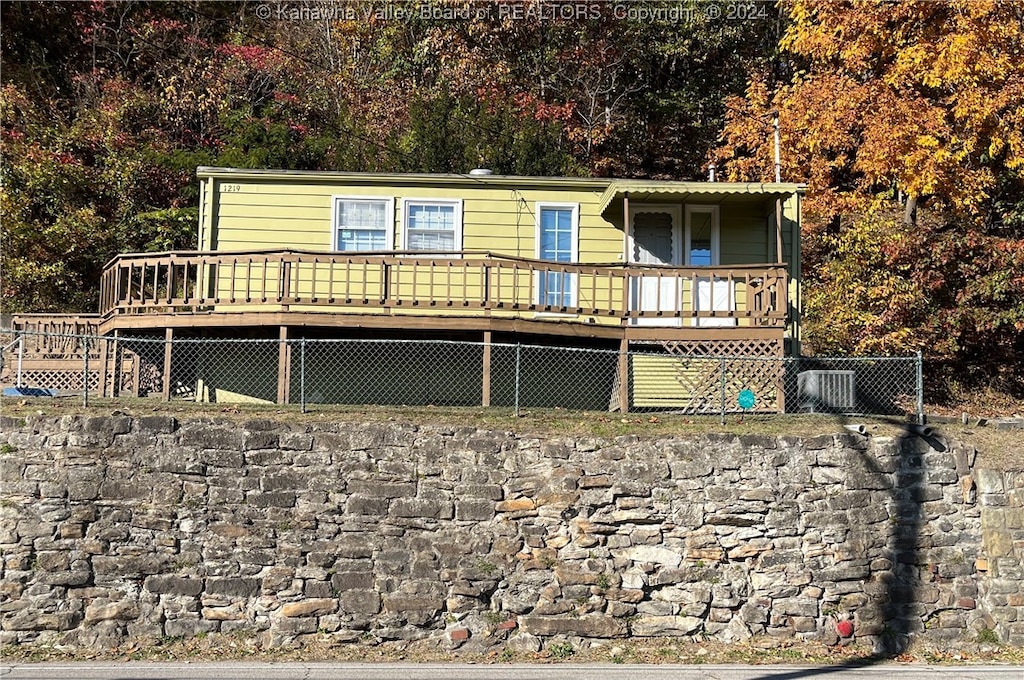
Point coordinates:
[[356, 671]]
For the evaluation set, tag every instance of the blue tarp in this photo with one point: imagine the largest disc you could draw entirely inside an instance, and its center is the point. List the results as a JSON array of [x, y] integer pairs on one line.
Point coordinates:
[[29, 392]]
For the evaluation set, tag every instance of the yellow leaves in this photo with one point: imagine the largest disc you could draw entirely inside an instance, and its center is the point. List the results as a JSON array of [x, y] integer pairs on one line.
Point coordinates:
[[865, 297], [924, 96]]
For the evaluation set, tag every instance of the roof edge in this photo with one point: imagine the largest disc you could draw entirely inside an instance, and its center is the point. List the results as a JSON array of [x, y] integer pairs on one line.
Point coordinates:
[[207, 172], [611, 184], [624, 187]]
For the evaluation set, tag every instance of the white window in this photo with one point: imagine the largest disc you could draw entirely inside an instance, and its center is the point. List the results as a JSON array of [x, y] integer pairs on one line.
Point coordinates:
[[363, 223], [432, 225], [557, 241]]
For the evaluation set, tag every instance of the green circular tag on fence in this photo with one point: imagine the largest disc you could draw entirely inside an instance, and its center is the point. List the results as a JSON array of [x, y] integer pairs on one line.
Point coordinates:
[[746, 400]]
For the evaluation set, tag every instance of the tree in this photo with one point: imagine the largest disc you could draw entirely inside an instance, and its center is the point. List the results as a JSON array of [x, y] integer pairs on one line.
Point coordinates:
[[895, 107], [108, 107]]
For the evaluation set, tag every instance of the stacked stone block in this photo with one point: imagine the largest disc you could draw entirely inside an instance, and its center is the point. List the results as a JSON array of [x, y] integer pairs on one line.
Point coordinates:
[[118, 527]]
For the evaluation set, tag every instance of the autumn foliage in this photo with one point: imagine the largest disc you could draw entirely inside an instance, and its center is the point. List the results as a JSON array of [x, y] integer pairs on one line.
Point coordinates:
[[905, 119]]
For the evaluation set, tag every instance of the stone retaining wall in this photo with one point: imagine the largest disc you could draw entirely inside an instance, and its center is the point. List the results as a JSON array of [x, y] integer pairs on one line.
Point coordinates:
[[119, 527]]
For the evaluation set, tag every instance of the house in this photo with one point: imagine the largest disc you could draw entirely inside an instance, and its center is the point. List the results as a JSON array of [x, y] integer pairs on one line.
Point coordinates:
[[676, 268]]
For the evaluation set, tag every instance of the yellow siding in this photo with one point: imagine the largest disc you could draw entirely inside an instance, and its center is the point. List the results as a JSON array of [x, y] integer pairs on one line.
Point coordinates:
[[744, 234], [278, 214], [275, 213], [271, 213], [671, 382]]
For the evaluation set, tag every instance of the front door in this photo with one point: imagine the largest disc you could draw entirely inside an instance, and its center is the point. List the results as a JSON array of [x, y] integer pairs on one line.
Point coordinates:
[[703, 248], [654, 238]]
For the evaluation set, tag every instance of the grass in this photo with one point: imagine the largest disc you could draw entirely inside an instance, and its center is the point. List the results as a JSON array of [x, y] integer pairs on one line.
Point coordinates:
[[996, 448]]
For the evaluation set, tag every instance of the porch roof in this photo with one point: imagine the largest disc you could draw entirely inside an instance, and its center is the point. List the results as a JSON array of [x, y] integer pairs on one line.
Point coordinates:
[[710, 192]]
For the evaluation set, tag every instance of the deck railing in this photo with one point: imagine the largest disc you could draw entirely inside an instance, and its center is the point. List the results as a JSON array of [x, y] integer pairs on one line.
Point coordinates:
[[54, 335], [480, 282]]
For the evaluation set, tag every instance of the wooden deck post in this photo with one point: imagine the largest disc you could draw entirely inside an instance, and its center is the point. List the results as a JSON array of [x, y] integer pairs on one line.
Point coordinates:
[[283, 366], [136, 374], [104, 364], [118, 361], [625, 227], [626, 255], [781, 380], [778, 230], [486, 387], [623, 376], [168, 341]]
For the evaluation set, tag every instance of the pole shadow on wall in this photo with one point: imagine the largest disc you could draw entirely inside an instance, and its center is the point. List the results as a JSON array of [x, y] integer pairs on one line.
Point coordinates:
[[898, 595]]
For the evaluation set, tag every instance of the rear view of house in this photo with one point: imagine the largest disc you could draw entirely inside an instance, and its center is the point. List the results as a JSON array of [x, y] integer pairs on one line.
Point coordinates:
[[670, 268]]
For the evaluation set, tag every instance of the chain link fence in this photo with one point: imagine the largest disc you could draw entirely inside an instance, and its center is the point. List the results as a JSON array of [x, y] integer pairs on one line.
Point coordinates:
[[311, 372]]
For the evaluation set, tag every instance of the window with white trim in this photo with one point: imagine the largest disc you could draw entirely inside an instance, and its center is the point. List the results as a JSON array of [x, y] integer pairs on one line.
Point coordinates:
[[557, 241], [363, 223], [432, 225]]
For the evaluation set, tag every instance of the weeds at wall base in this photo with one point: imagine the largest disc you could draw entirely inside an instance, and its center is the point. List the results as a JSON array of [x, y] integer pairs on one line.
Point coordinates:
[[321, 648]]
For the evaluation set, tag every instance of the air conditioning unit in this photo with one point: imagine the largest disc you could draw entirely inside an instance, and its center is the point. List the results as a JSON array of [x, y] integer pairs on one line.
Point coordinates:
[[826, 391]]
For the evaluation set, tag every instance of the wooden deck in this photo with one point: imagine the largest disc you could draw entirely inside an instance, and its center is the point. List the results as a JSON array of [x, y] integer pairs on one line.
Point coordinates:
[[465, 291], [278, 294]]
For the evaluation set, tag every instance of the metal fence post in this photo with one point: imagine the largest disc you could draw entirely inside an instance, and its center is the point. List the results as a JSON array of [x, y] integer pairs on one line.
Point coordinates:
[[518, 354], [721, 370], [302, 374], [85, 371], [920, 388], [21, 356]]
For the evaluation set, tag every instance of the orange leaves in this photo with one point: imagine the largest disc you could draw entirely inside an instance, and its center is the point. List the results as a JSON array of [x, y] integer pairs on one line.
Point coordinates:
[[926, 97]]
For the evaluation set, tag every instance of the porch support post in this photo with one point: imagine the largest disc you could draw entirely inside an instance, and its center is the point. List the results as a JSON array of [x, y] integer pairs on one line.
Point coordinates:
[[486, 386], [625, 226], [778, 230], [136, 374], [781, 385], [104, 346], [625, 255], [283, 366], [623, 375], [118, 359], [168, 341]]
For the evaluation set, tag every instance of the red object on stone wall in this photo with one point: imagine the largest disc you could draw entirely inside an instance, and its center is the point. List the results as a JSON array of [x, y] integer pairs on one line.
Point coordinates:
[[844, 628]]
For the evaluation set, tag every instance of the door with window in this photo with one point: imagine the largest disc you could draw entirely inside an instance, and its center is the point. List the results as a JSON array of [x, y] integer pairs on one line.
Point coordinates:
[[654, 238], [703, 249], [557, 241]]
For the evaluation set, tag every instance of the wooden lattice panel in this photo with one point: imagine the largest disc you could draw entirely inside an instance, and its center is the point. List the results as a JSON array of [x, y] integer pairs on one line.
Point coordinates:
[[738, 348], [62, 380], [749, 364]]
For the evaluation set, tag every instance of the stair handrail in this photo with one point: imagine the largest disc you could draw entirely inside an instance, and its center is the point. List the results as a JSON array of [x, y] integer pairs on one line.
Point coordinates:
[[20, 342]]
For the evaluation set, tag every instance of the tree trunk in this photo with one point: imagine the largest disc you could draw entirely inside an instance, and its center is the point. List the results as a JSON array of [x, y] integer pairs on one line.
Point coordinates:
[[910, 211]]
